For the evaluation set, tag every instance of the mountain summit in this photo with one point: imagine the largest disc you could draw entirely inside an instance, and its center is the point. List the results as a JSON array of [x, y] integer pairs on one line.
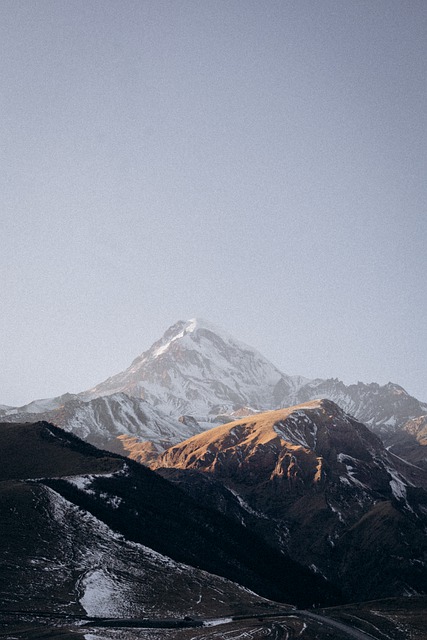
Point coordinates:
[[199, 369]]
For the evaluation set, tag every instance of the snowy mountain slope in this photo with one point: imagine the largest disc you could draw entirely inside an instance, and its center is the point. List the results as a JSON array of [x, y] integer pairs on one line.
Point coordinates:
[[199, 369], [39, 406], [59, 486], [88, 569], [102, 420]]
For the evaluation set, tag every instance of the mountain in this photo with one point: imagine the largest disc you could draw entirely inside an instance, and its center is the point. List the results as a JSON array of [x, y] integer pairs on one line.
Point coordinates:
[[319, 486], [198, 370], [383, 408], [92, 546], [88, 532]]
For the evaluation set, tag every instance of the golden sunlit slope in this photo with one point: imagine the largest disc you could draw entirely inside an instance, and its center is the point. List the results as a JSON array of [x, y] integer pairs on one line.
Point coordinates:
[[287, 443], [248, 431]]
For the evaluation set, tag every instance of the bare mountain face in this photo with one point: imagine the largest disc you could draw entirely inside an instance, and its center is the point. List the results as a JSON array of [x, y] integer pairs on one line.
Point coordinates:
[[410, 441], [319, 486]]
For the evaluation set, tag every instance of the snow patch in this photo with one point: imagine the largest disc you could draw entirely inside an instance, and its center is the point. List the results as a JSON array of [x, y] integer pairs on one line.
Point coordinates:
[[351, 478], [100, 593], [397, 486], [217, 621], [245, 505], [81, 482], [332, 508], [316, 569]]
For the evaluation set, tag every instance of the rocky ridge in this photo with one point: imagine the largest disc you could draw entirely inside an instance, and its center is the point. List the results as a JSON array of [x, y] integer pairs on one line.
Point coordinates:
[[318, 485], [109, 422]]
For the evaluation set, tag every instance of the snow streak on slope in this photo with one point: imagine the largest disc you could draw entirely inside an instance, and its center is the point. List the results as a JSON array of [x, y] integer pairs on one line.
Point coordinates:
[[116, 577]]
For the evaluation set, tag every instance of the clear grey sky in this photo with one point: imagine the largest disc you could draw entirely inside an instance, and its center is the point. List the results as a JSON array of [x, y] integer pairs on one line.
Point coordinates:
[[261, 164]]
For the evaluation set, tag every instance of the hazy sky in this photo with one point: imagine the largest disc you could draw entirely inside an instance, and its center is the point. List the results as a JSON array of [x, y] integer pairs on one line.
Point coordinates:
[[261, 164]]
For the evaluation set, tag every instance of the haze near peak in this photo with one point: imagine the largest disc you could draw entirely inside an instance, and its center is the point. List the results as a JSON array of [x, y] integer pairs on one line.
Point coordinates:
[[181, 328]]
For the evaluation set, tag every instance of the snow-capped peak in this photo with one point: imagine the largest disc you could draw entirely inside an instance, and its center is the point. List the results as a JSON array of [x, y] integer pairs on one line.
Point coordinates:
[[196, 324], [183, 328], [193, 328], [200, 323], [199, 369]]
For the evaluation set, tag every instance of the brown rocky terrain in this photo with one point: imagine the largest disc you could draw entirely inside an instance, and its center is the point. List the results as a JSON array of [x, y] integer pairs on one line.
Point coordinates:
[[319, 485]]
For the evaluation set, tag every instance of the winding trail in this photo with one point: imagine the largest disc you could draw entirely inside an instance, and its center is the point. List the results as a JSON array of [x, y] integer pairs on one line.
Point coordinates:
[[277, 630]]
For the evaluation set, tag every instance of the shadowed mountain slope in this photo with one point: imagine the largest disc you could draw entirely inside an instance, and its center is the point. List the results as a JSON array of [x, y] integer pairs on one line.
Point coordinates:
[[128, 502], [42, 450], [410, 441]]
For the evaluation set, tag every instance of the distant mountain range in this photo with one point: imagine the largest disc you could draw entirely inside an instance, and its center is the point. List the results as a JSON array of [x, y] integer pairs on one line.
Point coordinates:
[[198, 370]]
